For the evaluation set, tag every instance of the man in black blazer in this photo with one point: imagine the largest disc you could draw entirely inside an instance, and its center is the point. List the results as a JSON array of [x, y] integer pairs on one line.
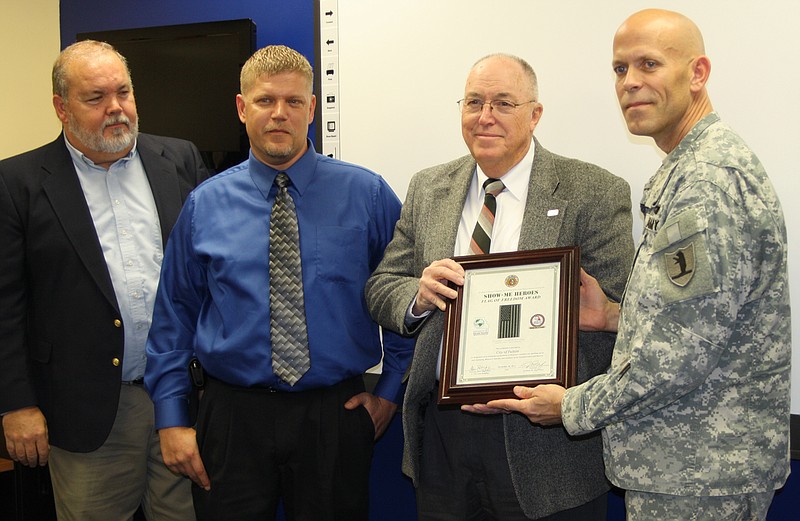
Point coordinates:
[[83, 224], [467, 466]]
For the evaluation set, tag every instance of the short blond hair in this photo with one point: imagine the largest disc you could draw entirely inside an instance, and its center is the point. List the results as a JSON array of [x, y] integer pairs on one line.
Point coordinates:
[[271, 60]]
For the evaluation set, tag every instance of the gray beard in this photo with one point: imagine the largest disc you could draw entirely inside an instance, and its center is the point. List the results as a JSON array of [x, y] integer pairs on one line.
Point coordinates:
[[120, 140]]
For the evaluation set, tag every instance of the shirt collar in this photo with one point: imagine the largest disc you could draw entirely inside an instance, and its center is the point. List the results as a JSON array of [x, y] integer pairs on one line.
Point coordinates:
[[689, 139], [300, 173], [78, 156], [515, 180], [655, 186]]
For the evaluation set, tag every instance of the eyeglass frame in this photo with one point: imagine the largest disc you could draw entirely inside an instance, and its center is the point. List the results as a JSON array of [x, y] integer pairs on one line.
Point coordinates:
[[491, 103]]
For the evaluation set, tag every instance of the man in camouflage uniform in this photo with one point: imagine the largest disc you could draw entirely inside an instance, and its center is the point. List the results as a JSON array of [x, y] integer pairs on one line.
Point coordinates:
[[695, 406]]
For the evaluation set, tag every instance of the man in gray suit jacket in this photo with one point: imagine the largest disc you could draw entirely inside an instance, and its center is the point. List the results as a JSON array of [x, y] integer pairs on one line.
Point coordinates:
[[468, 466], [83, 223]]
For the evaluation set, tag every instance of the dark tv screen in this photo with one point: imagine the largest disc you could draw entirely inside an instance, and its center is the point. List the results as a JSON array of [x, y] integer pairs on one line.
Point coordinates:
[[185, 80]]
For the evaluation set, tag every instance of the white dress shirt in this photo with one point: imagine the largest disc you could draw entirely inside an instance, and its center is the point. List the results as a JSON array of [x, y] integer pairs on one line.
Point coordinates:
[[510, 208]]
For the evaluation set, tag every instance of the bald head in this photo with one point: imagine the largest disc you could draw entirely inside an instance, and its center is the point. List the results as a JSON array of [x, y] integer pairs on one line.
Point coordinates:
[[661, 73], [675, 32]]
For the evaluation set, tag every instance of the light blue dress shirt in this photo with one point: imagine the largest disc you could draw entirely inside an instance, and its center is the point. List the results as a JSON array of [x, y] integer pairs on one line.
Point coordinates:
[[126, 220]]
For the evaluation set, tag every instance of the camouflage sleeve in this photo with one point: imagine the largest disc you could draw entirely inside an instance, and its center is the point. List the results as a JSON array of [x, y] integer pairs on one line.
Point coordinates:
[[688, 283]]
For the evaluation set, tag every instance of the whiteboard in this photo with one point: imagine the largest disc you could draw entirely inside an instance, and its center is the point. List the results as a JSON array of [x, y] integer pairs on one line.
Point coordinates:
[[402, 66]]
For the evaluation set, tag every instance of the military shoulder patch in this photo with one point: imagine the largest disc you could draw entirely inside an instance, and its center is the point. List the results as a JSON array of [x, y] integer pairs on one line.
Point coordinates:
[[680, 264], [681, 250]]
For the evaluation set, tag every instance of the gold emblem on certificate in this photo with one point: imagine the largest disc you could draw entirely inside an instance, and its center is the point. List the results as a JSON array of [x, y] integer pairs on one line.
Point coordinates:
[[514, 322]]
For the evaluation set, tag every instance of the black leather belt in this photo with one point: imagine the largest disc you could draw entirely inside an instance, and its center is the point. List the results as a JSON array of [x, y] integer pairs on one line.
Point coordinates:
[[138, 381]]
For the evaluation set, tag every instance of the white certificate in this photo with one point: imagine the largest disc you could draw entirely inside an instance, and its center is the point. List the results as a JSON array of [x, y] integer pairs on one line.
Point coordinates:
[[508, 331], [514, 322]]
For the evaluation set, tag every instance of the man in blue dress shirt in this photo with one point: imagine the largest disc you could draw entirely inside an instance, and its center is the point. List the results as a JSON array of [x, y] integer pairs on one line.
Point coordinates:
[[260, 439]]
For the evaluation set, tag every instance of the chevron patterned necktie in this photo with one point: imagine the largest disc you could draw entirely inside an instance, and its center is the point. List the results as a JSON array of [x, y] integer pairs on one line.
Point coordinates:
[[290, 357], [482, 235]]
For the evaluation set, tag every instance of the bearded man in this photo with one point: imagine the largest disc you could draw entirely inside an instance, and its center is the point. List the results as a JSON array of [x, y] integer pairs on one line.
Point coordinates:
[[83, 222]]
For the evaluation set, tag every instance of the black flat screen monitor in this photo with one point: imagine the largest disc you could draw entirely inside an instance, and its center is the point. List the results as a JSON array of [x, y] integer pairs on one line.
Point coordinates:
[[185, 80]]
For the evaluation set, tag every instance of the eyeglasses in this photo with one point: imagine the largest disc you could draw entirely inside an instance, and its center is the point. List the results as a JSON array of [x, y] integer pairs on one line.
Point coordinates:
[[502, 106]]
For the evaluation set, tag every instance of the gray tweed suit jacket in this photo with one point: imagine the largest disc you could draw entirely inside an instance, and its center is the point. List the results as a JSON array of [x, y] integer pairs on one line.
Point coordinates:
[[551, 470]]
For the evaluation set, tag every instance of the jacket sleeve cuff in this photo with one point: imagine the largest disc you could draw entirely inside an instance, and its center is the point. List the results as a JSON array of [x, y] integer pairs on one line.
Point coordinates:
[[572, 412]]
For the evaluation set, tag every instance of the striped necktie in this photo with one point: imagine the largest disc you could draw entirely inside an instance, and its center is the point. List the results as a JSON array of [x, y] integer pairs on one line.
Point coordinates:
[[290, 356], [482, 236]]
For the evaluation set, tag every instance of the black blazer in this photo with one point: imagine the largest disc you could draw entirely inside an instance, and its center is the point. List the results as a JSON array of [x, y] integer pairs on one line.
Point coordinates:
[[61, 334]]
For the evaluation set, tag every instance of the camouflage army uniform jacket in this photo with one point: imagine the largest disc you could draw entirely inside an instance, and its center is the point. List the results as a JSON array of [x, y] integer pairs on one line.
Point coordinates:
[[696, 401]]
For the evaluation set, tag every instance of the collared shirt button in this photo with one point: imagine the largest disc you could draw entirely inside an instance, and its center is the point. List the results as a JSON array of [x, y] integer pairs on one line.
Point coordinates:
[[117, 322], [115, 362]]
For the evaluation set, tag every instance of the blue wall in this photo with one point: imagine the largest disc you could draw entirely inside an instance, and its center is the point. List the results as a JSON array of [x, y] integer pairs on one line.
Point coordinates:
[[286, 22], [291, 23]]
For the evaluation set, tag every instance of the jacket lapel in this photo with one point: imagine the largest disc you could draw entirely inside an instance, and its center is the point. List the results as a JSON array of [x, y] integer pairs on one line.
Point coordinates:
[[163, 178], [64, 191], [447, 204], [544, 210]]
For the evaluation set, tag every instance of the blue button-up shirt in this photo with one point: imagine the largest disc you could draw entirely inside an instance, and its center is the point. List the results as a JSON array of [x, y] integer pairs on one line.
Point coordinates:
[[213, 300]]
